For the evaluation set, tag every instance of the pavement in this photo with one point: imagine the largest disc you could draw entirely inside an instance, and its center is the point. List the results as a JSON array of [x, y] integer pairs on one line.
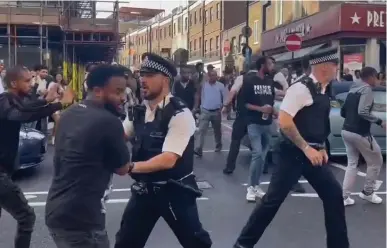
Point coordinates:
[[223, 208]]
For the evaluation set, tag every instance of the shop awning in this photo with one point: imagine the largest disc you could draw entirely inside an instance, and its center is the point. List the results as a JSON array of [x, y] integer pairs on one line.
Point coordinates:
[[306, 51], [282, 56]]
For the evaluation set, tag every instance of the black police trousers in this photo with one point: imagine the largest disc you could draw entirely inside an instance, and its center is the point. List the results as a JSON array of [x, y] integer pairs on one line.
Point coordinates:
[[14, 202], [178, 209], [292, 164], [239, 130]]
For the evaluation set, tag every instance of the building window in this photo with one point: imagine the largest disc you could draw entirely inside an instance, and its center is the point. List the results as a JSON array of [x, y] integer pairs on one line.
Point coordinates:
[[179, 22], [190, 46], [240, 43], [218, 11], [186, 24], [170, 30], [174, 29], [142, 40], [256, 32], [211, 14], [297, 9], [165, 32], [210, 44], [206, 17], [195, 18], [194, 45], [200, 14], [217, 43], [200, 43], [190, 20], [205, 46], [233, 46], [279, 12]]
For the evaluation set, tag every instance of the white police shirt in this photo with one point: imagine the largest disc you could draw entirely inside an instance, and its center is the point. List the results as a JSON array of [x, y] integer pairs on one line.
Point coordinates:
[[297, 97], [180, 129]]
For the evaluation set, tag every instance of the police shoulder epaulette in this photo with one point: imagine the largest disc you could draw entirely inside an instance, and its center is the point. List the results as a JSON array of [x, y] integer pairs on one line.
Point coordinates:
[[177, 104]]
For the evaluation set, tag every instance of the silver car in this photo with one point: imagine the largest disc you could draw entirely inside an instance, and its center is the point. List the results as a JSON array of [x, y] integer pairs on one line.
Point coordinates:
[[335, 142]]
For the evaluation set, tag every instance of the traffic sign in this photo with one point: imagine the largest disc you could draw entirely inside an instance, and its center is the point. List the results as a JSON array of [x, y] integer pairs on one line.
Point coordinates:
[[246, 31], [293, 42]]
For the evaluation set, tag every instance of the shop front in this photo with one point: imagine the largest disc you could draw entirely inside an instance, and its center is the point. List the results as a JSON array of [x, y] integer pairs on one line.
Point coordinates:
[[357, 29]]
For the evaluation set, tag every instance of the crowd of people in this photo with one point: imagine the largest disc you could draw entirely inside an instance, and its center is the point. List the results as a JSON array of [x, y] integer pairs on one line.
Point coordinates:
[[156, 114]]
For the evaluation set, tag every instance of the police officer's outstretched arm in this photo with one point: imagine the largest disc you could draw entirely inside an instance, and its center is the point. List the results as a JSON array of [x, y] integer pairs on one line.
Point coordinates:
[[180, 130], [296, 98], [118, 157]]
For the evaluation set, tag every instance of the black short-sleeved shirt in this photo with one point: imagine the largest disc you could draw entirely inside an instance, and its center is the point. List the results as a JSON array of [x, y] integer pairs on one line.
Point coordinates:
[[259, 92], [89, 146]]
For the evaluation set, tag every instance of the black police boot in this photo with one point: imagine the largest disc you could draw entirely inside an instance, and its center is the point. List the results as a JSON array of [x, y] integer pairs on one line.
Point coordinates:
[[198, 153], [227, 171]]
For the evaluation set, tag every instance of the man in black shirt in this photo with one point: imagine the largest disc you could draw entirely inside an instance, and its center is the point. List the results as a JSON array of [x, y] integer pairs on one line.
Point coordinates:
[[185, 88], [258, 97], [15, 109], [89, 147], [305, 125]]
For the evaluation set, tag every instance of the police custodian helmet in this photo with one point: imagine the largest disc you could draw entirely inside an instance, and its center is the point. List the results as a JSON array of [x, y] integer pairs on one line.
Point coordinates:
[[153, 63], [323, 56]]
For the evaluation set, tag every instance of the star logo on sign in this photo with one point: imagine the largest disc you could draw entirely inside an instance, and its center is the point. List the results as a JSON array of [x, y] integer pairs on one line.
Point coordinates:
[[355, 19]]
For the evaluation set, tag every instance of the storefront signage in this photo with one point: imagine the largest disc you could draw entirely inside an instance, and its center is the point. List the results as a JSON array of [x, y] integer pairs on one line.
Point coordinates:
[[376, 19], [301, 29], [353, 62]]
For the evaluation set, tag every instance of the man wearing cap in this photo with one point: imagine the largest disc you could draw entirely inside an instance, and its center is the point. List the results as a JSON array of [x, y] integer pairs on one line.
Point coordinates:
[[305, 125], [162, 167]]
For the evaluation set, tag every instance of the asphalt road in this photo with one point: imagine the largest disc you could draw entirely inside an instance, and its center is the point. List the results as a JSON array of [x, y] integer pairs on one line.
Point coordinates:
[[223, 209]]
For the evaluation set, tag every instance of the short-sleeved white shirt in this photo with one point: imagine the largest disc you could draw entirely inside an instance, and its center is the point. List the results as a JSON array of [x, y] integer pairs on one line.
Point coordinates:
[[180, 129], [239, 82], [297, 97]]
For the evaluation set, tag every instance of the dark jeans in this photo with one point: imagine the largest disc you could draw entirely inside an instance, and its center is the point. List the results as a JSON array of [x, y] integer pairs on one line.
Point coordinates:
[[239, 130], [292, 164], [178, 209], [79, 239], [13, 201]]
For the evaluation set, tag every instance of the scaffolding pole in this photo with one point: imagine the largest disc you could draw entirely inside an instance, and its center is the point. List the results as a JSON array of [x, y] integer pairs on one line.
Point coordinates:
[[15, 45], [46, 55], [9, 44]]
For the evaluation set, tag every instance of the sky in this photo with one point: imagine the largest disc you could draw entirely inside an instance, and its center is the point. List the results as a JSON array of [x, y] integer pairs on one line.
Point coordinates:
[[167, 5]]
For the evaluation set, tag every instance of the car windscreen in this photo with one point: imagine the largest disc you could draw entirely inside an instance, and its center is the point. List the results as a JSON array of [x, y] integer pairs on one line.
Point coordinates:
[[379, 100]]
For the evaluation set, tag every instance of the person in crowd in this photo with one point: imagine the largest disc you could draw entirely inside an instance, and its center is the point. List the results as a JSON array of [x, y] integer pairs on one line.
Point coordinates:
[[357, 76], [213, 96], [185, 88], [281, 78], [382, 78], [59, 86], [258, 95], [163, 156], [347, 76], [227, 81], [210, 68], [41, 86], [357, 137], [304, 123], [239, 127], [15, 109], [89, 68], [85, 157], [2, 75]]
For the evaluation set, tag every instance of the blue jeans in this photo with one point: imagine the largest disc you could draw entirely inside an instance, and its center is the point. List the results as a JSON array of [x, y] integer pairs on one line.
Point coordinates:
[[260, 142]]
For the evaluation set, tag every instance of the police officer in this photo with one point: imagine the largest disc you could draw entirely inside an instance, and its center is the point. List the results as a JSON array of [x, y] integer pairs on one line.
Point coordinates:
[[304, 123], [163, 152]]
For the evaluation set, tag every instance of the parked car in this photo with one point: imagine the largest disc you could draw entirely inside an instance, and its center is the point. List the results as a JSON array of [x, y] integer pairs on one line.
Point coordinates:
[[32, 148], [335, 142]]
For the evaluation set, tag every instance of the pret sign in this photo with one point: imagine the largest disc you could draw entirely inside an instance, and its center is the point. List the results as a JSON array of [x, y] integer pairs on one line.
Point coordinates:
[[293, 42]]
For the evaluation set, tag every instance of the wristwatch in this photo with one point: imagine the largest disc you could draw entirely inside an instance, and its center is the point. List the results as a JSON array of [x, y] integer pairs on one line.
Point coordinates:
[[131, 166]]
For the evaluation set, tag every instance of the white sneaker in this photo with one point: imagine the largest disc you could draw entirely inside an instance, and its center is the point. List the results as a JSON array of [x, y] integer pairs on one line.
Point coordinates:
[[373, 198], [53, 140], [349, 201], [251, 195], [259, 192]]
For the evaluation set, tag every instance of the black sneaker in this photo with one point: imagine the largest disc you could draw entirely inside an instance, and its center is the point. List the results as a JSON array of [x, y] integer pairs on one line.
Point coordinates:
[[198, 153], [218, 149], [298, 188], [227, 171]]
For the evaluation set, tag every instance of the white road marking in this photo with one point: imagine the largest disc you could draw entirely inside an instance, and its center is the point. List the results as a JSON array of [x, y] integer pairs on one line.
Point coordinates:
[[46, 192], [265, 183], [110, 201], [241, 149], [30, 196], [342, 167], [314, 195]]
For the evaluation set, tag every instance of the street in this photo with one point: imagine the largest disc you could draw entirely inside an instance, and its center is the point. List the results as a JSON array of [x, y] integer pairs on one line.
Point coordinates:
[[223, 208]]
